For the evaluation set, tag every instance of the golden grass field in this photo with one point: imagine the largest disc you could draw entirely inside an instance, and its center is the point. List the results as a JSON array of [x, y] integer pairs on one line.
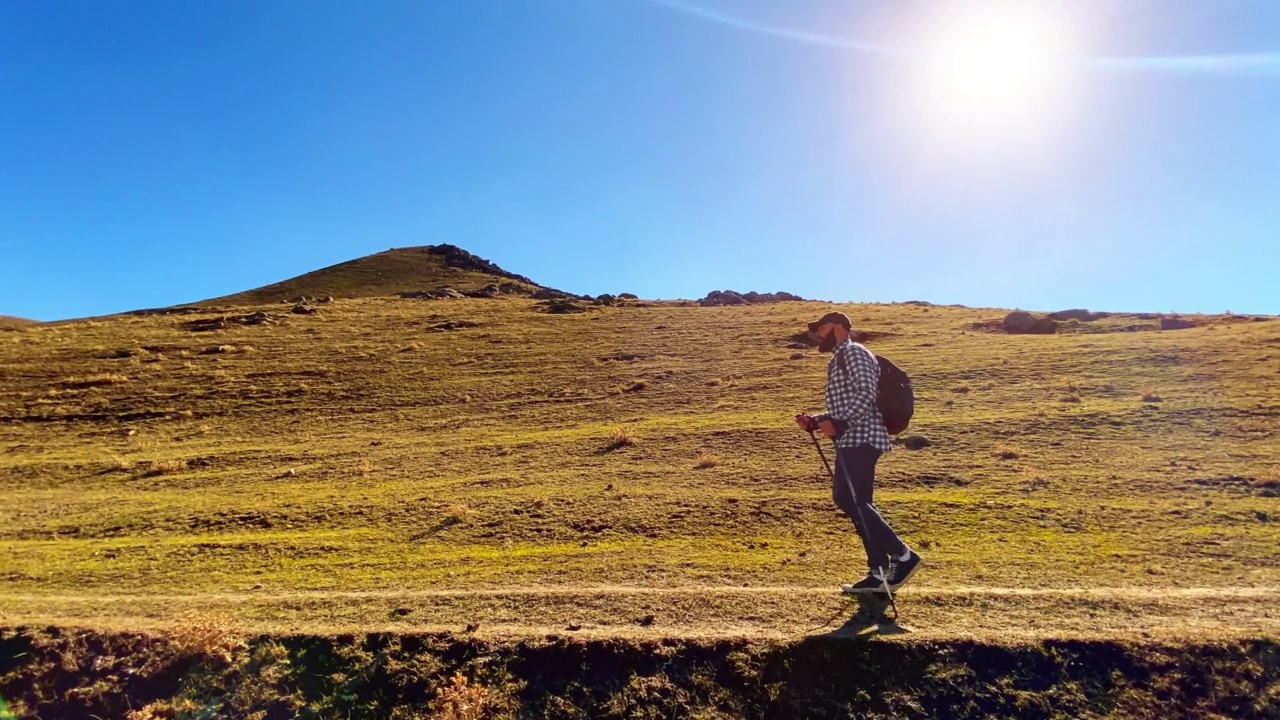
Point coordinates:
[[369, 467]]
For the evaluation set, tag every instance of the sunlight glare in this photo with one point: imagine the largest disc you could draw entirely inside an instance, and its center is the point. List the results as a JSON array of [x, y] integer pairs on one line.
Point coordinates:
[[993, 63]]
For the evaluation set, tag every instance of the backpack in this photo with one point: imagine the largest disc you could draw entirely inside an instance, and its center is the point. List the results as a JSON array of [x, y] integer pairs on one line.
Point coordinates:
[[894, 397]]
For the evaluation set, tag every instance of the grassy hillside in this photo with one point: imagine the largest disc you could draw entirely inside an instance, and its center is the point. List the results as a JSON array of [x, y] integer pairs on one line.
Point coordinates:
[[390, 272], [9, 322], [630, 471]]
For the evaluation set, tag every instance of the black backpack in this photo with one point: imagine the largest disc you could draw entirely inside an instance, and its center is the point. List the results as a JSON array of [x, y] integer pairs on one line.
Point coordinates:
[[894, 396]]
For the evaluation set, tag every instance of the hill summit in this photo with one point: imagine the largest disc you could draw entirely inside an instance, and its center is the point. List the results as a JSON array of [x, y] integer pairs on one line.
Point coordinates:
[[9, 322], [391, 272]]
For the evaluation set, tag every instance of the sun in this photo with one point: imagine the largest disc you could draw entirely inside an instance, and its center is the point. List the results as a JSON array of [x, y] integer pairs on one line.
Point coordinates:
[[993, 62]]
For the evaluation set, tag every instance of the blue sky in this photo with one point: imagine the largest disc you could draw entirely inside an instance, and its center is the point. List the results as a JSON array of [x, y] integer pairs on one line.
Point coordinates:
[[154, 152]]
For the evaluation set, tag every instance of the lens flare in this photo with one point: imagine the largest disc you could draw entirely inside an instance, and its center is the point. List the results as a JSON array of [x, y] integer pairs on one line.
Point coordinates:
[[991, 62]]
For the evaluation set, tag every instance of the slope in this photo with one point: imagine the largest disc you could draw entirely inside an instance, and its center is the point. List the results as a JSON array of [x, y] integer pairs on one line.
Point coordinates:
[[388, 463], [9, 322], [390, 272]]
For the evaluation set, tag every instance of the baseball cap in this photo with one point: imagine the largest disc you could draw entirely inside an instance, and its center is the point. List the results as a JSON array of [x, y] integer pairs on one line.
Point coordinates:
[[831, 317]]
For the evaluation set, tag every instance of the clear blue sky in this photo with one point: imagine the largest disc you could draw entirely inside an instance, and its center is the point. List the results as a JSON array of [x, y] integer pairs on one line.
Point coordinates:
[[156, 152]]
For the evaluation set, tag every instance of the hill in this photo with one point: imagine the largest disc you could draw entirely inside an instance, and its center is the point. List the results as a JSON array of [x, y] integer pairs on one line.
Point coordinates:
[[8, 322], [630, 473], [395, 271]]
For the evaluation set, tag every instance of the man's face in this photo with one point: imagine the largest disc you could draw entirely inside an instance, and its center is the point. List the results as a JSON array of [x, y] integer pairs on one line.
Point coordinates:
[[827, 337]]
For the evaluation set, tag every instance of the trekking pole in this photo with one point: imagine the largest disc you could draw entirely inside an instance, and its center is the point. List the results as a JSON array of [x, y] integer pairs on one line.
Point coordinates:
[[817, 445]]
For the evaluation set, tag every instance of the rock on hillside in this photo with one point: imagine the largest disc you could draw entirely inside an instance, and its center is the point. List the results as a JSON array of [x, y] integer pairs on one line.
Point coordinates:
[[729, 297], [392, 272], [1019, 323]]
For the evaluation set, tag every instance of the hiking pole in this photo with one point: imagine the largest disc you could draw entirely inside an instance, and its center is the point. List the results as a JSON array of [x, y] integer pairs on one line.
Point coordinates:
[[817, 445]]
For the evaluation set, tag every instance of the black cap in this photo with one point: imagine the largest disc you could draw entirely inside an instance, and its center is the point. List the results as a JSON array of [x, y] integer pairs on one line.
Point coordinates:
[[832, 317]]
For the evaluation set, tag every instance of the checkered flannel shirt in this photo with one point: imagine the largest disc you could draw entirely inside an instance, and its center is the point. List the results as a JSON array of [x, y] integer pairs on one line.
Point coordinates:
[[852, 378]]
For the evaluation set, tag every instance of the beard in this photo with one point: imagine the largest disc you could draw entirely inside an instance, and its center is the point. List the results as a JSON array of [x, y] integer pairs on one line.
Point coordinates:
[[828, 343]]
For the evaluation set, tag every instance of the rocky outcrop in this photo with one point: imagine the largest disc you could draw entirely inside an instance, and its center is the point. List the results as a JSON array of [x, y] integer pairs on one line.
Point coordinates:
[[456, 257], [717, 298], [437, 294], [1077, 314], [1019, 322], [1176, 323]]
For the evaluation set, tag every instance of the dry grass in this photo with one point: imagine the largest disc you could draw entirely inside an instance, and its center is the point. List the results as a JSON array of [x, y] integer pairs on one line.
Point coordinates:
[[1151, 397], [203, 634], [166, 467], [621, 437], [460, 700], [153, 711], [95, 380], [116, 463], [329, 393], [1006, 452], [707, 460], [457, 513]]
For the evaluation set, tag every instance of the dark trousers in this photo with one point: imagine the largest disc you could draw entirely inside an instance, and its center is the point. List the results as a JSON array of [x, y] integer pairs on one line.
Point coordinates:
[[855, 477]]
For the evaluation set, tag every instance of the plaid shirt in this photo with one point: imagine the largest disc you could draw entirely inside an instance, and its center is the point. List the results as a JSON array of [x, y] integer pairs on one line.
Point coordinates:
[[852, 378]]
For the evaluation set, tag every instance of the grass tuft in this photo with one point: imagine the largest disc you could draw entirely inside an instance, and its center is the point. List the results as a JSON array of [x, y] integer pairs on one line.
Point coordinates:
[[98, 380], [117, 463], [457, 513], [1150, 397], [1004, 452], [206, 634], [621, 437], [166, 467], [707, 460]]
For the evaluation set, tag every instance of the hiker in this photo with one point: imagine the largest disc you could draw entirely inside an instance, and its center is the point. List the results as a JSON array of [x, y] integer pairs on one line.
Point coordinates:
[[853, 421]]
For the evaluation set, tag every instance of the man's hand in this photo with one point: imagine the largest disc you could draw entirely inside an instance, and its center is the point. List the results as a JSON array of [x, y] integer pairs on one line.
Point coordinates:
[[806, 423], [828, 428]]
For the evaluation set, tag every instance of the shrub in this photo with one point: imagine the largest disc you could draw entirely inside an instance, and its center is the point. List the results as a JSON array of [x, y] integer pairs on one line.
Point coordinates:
[[620, 438], [206, 635], [460, 700], [1150, 397], [456, 514], [118, 464], [707, 460], [166, 467]]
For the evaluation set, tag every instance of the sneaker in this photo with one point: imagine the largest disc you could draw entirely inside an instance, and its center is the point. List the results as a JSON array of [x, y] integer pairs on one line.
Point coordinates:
[[900, 571], [871, 583]]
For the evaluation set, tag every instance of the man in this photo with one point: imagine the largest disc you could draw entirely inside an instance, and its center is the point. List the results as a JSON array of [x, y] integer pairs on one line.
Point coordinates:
[[853, 421]]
